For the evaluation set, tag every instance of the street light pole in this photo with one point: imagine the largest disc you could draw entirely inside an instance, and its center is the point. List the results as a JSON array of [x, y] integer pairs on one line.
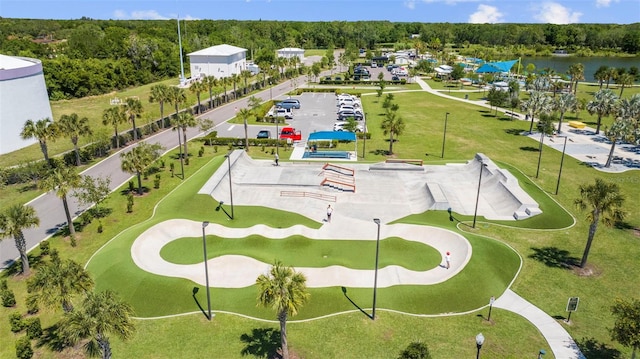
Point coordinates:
[[228, 156], [375, 277], [444, 136], [564, 147], [479, 342], [206, 268], [540, 151], [475, 212]]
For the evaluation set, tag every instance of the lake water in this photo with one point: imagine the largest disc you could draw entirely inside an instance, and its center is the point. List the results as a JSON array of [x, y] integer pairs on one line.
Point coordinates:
[[561, 63]]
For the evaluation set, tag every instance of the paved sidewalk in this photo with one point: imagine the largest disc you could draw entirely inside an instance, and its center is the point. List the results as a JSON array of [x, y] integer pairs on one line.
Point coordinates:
[[560, 342]]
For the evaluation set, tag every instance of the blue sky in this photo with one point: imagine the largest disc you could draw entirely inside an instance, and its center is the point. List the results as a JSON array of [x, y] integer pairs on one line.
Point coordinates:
[[453, 11]]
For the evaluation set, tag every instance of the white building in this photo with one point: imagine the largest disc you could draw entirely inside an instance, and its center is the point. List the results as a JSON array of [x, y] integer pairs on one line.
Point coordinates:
[[289, 52], [23, 96], [219, 61]]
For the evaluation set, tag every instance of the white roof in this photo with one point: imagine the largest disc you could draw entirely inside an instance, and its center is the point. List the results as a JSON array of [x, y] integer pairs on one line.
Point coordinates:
[[218, 50], [291, 49], [10, 62]]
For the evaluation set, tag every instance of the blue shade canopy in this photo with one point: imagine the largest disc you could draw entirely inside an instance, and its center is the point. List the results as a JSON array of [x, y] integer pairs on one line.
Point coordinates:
[[502, 66], [332, 135]]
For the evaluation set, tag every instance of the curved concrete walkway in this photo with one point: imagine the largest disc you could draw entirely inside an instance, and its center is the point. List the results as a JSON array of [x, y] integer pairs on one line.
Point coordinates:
[[235, 271], [560, 341]]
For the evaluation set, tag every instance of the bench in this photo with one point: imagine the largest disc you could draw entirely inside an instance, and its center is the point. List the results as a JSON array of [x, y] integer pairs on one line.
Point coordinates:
[[329, 154], [417, 162], [577, 124]]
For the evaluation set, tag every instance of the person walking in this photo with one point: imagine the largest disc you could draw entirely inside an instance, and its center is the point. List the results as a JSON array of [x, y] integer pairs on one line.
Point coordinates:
[[329, 212], [447, 260], [277, 158]]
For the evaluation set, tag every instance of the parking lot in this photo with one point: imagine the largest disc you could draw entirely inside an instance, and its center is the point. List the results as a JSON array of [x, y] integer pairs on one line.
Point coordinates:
[[318, 112]]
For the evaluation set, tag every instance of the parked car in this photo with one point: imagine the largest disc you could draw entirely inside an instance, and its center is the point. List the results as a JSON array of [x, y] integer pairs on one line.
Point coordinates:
[[281, 112], [264, 134], [350, 108], [395, 78], [290, 103], [344, 115], [290, 133], [339, 126]]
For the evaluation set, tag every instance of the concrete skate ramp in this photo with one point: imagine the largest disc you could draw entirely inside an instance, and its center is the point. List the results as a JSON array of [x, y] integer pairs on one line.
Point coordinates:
[[381, 189]]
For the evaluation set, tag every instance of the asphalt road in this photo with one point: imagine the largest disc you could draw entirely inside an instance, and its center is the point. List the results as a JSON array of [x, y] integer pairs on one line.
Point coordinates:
[[49, 208]]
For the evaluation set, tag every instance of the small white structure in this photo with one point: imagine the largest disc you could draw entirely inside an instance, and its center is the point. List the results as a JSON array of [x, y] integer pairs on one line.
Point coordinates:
[[218, 61], [23, 96], [255, 69], [289, 52]]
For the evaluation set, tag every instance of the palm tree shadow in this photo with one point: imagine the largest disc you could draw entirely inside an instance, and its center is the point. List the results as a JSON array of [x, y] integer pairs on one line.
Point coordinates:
[[262, 343], [554, 257], [51, 339], [344, 291]]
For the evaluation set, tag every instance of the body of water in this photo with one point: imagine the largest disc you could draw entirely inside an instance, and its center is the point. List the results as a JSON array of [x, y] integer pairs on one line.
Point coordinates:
[[561, 63]]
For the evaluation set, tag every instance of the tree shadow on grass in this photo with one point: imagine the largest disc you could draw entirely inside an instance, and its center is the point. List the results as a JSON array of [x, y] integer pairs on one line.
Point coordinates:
[[261, 343], [554, 257], [513, 131], [593, 349], [529, 148]]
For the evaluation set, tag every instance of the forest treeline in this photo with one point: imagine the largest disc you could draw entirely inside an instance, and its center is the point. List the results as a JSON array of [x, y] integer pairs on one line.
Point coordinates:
[[90, 57]]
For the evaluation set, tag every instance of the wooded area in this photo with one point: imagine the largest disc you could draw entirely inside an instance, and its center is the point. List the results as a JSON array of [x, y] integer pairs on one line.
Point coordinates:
[[90, 57]]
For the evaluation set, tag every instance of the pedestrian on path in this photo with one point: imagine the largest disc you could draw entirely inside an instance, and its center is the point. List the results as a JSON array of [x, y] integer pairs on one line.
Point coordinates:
[[277, 158], [329, 212], [447, 259]]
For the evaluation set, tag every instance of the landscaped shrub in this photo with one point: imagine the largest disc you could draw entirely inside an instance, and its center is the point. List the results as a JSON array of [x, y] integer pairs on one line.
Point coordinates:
[[33, 327], [8, 298], [130, 202], [32, 304], [16, 322], [131, 186], [4, 285], [156, 181], [44, 248], [201, 151], [415, 350], [23, 348]]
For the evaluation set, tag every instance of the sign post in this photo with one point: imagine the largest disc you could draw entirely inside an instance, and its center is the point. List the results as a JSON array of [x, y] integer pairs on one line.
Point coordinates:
[[491, 300], [572, 306]]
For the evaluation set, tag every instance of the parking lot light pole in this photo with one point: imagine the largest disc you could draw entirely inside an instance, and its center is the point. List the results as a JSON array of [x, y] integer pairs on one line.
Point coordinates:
[[444, 136], [206, 268], [228, 156], [564, 148], [375, 276], [475, 212]]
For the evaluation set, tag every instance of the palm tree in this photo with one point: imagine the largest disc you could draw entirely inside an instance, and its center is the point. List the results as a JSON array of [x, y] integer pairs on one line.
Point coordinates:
[[245, 113], [57, 282], [210, 82], [625, 79], [629, 108], [603, 104], [114, 116], [576, 71], [63, 180], [138, 159], [604, 202], [285, 291], [611, 74], [160, 94], [601, 75], [225, 81], [246, 75], [538, 103], [566, 102], [183, 120], [198, 87], [621, 129], [177, 97], [234, 80], [13, 221], [74, 127], [100, 315], [43, 130], [392, 125], [133, 109]]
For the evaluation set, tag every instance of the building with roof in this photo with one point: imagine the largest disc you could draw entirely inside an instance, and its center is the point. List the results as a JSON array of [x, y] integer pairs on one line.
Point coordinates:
[[289, 52], [23, 96], [218, 61], [496, 67]]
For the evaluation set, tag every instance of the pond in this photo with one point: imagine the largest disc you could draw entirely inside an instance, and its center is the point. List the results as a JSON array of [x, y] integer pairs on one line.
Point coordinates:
[[561, 63]]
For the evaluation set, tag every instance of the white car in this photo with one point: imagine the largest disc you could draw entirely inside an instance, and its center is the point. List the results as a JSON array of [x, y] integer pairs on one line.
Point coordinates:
[[357, 110], [339, 126]]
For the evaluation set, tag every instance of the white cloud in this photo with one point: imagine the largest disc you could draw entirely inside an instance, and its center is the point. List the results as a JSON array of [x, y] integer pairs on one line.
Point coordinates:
[[604, 3], [452, 2], [554, 13], [119, 14], [486, 15], [147, 15], [411, 4]]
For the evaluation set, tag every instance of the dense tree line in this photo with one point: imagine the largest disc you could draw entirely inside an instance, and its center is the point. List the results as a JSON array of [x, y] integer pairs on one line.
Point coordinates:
[[87, 57]]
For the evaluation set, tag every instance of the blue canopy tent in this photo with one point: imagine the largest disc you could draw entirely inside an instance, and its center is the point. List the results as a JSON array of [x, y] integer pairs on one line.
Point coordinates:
[[493, 67], [330, 136]]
